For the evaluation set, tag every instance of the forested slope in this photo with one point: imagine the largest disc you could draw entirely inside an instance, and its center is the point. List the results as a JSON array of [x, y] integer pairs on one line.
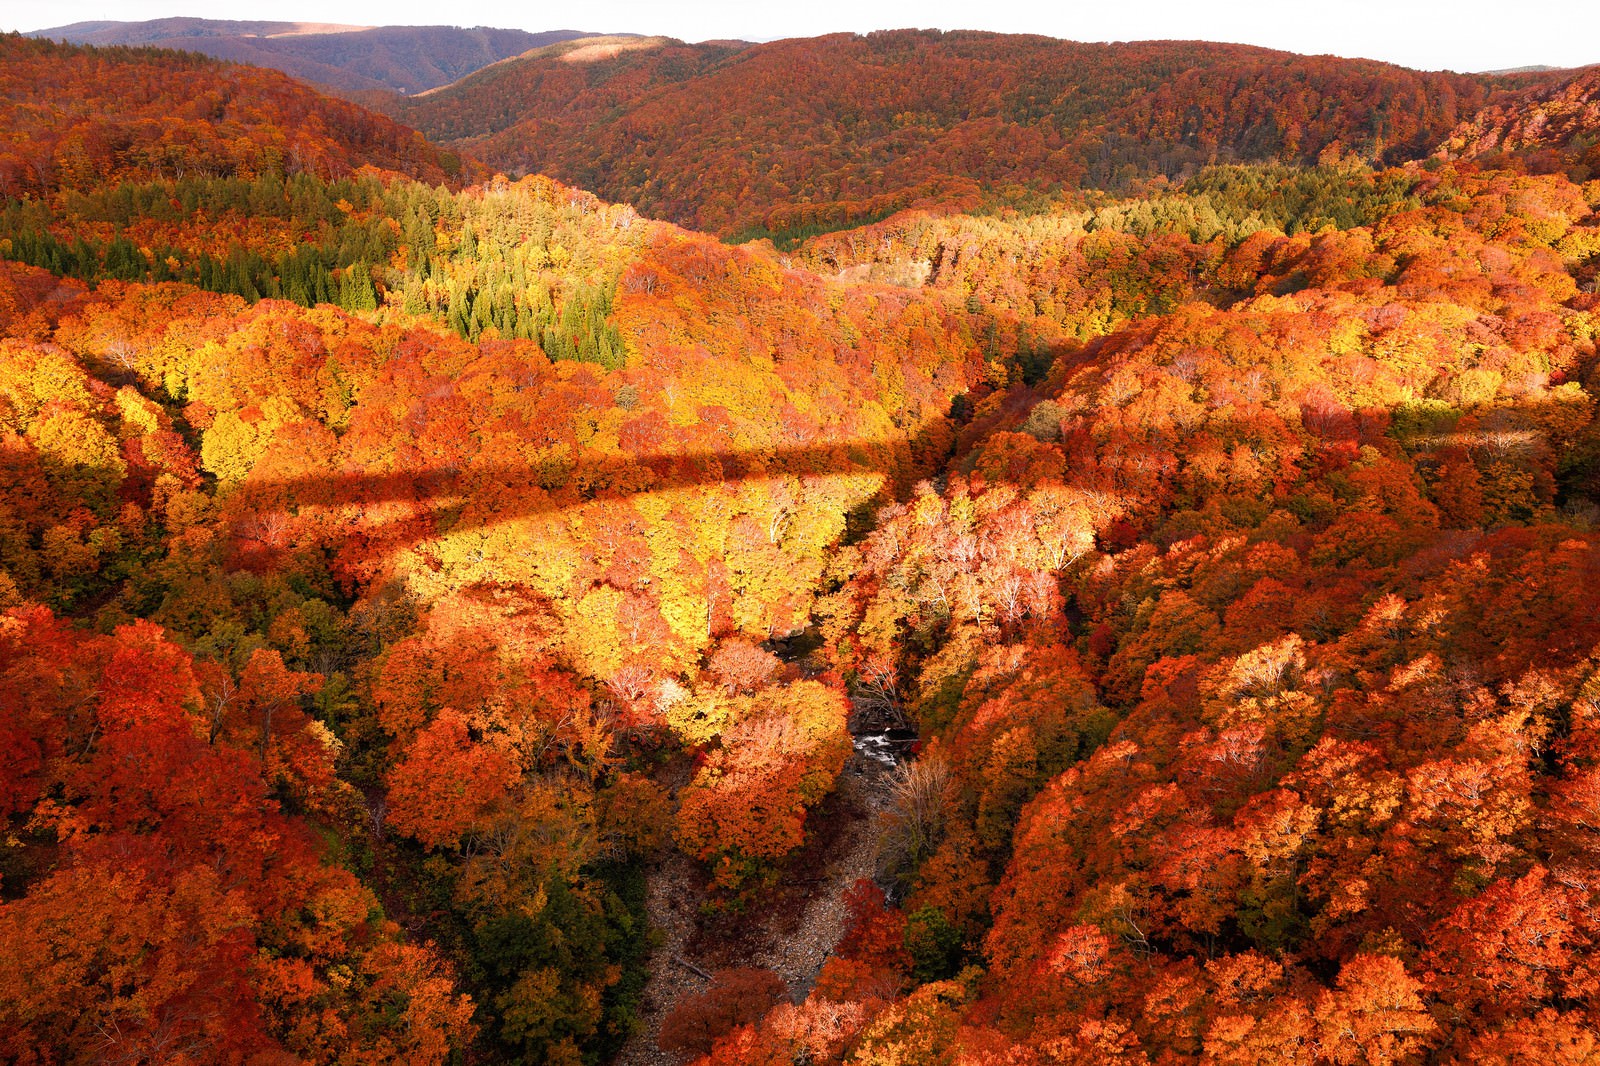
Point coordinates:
[[796, 135], [405, 594], [86, 119], [1554, 127], [1286, 769]]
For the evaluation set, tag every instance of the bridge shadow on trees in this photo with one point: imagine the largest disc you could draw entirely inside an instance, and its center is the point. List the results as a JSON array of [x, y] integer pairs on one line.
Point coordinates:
[[1150, 478], [386, 512]]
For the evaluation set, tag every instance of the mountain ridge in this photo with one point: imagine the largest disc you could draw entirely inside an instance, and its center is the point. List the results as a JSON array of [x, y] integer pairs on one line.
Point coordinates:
[[703, 134], [346, 59]]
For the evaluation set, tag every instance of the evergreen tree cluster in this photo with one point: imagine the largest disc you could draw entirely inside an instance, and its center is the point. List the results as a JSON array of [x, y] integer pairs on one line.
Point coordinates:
[[1232, 202], [503, 260]]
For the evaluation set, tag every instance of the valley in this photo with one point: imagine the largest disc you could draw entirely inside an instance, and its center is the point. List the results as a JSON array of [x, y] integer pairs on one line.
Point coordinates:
[[905, 549]]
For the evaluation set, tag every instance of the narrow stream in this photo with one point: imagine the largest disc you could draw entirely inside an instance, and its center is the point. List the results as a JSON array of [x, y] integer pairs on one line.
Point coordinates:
[[891, 747]]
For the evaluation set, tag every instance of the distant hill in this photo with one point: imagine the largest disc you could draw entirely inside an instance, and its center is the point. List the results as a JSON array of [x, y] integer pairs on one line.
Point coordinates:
[[1535, 68], [347, 59], [155, 31], [124, 114], [799, 135], [1547, 128]]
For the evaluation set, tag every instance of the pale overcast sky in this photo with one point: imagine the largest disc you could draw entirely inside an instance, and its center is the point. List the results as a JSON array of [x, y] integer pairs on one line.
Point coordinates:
[[1426, 34]]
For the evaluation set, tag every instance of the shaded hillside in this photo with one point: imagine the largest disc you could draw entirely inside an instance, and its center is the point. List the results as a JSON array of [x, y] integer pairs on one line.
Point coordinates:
[[74, 117], [347, 59], [801, 135], [1550, 128]]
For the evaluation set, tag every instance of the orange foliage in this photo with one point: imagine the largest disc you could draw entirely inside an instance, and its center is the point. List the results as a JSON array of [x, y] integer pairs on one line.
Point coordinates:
[[1238, 578], [122, 114]]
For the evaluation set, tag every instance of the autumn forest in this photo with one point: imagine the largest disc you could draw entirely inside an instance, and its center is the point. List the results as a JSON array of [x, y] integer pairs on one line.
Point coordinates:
[[915, 549]]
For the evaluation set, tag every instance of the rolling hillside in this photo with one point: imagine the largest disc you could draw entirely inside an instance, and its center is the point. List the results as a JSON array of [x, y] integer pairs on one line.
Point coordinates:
[[76, 117], [801, 135]]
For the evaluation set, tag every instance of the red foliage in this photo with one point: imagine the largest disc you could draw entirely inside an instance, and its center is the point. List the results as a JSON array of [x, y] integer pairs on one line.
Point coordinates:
[[745, 137], [736, 997]]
